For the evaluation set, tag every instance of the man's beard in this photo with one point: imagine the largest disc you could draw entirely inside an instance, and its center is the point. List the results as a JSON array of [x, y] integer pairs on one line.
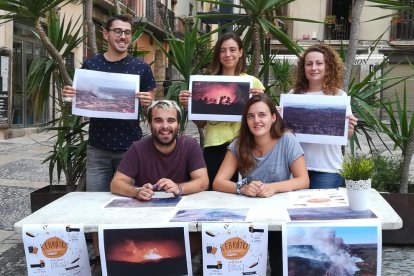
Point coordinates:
[[163, 142]]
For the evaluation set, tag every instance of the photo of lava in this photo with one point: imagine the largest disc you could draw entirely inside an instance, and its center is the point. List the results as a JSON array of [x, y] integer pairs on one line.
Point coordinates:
[[145, 251], [330, 250], [222, 98]]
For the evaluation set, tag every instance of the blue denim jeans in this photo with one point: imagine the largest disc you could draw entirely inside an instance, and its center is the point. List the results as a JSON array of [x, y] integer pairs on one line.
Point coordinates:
[[100, 168], [323, 180]]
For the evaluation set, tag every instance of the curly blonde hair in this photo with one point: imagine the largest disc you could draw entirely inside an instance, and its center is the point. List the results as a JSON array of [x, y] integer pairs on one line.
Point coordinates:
[[334, 69]]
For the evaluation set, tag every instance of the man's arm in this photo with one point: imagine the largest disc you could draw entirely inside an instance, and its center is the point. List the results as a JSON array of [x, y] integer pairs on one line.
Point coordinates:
[[122, 185], [198, 182]]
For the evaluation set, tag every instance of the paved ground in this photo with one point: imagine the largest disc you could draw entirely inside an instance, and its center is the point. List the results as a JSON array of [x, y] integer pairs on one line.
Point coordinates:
[[21, 172]]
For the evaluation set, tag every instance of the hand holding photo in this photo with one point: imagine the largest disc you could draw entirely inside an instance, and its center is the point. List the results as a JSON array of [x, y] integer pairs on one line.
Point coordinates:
[[218, 98]]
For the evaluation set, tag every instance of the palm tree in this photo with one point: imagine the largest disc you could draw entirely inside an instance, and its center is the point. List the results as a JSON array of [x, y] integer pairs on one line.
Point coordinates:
[[260, 20], [32, 11], [68, 154]]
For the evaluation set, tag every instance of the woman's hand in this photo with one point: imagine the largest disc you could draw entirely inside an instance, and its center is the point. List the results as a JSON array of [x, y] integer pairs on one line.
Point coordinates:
[[183, 98], [256, 91], [266, 191], [251, 189], [353, 121]]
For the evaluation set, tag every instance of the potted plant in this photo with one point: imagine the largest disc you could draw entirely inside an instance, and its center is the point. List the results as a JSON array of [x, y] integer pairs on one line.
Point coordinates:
[[330, 19], [357, 168], [358, 171]]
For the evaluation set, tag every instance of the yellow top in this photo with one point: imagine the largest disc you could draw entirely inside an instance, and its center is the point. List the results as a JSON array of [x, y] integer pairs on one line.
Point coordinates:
[[218, 133]]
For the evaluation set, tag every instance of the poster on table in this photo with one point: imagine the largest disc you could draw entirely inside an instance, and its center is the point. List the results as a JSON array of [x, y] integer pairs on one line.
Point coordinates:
[[318, 198], [218, 98], [145, 249], [53, 249], [234, 248], [105, 95], [317, 119], [332, 248], [158, 200], [210, 214]]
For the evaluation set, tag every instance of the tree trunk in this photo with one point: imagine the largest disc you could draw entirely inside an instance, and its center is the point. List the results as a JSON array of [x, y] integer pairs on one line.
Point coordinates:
[[405, 166], [90, 27], [117, 7], [52, 51], [256, 49], [353, 41]]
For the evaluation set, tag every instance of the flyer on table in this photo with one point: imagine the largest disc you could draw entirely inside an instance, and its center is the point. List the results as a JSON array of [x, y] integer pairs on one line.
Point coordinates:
[[55, 249], [234, 248]]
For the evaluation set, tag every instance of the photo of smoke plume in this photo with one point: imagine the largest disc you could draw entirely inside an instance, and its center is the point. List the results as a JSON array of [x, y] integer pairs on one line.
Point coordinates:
[[332, 250], [145, 251], [104, 95], [315, 119], [225, 98]]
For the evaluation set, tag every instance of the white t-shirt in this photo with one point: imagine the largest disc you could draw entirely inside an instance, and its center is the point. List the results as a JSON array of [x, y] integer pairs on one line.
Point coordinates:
[[323, 157]]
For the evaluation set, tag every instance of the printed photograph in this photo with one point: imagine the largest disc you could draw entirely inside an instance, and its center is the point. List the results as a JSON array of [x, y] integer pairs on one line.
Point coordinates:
[[328, 213], [220, 214], [306, 119], [218, 98], [145, 251], [316, 118], [105, 95], [327, 249], [133, 203]]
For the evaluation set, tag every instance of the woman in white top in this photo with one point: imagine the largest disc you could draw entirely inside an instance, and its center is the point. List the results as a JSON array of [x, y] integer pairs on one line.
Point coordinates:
[[320, 71]]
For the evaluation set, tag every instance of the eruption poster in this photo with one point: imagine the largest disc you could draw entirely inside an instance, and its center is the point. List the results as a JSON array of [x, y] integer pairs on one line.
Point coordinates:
[[105, 95], [316, 118], [162, 250], [55, 249], [341, 248], [218, 98], [234, 249]]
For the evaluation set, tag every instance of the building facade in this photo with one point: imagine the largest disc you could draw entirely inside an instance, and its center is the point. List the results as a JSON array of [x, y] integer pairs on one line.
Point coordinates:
[[395, 37]]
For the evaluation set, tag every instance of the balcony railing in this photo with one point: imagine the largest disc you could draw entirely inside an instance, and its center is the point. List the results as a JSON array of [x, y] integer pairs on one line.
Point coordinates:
[[339, 30], [159, 15], [130, 4], [402, 29]]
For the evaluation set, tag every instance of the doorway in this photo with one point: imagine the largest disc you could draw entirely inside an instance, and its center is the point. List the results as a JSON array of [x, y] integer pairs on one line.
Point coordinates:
[[26, 47]]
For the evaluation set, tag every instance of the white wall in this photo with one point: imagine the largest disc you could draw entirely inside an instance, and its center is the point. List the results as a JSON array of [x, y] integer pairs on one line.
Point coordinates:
[[372, 30], [314, 10], [6, 33]]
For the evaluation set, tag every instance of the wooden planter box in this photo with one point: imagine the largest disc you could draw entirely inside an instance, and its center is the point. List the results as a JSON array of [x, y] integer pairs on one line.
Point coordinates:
[[403, 204], [46, 195]]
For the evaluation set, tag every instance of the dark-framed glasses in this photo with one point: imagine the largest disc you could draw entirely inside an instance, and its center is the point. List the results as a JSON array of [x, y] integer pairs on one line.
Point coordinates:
[[119, 31]]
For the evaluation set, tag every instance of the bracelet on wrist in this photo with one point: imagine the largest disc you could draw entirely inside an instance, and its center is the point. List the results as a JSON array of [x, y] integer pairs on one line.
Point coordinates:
[[180, 191], [137, 192]]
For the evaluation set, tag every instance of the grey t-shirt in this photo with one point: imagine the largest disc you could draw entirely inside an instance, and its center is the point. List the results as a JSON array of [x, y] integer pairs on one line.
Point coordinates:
[[274, 166]]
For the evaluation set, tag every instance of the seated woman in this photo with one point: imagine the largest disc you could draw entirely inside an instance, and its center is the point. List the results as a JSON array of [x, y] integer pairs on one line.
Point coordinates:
[[265, 153]]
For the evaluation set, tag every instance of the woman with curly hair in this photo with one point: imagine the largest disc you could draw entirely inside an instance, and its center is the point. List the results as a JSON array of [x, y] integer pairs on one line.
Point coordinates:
[[320, 71]]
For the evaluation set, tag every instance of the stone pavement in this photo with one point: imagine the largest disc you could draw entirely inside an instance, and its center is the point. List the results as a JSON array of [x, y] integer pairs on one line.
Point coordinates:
[[21, 171]]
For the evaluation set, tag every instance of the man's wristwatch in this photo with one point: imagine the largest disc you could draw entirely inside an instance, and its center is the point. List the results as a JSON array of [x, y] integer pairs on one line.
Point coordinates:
[[240, 184]]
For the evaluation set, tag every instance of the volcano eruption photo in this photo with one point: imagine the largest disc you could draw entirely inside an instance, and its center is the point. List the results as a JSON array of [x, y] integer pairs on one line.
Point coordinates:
[[333, 250], [145, 251], [220, 98]]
